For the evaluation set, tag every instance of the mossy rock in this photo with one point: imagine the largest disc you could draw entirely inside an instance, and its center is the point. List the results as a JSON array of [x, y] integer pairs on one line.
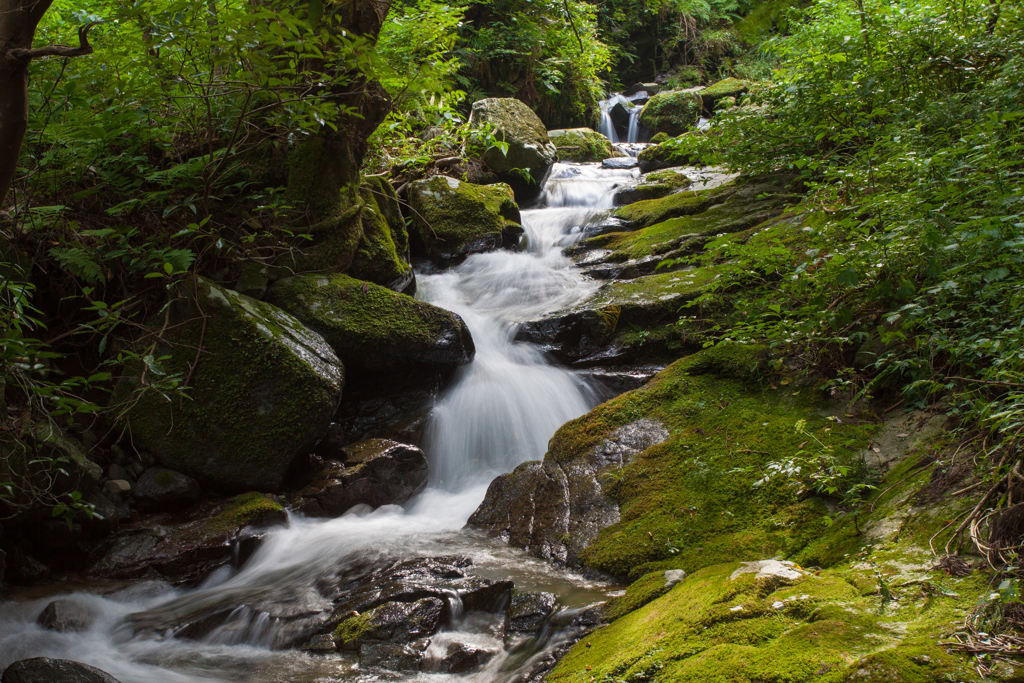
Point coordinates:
[[382, 256], [648, 212], [730, 87], [583, 145], [453, 219], [374, 330], [673, 112], [529, 148], [654, 186], [675, 505], [262, 389], [661, 155], [659, 138]]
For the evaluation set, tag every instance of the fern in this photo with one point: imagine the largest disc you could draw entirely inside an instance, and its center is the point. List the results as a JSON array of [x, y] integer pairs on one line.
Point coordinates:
[[79, 263], [610, 315]]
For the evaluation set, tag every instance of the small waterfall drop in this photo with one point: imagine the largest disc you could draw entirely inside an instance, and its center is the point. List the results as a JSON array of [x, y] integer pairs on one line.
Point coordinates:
[[634, 131]]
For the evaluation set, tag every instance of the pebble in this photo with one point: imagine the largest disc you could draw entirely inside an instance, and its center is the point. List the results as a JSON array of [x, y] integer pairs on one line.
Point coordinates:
[[117, 486]]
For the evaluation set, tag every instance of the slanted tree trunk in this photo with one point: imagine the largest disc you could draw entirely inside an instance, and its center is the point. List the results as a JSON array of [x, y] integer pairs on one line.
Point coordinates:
[[18, 22]]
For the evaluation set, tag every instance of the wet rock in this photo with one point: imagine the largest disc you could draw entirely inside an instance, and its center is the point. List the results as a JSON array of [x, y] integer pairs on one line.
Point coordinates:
[[46, 670], [383, 256], [263, 391], [376, 472], [65, 616], [321, 643], [393, 622], [654, 186], [253, 279], [452, 219], [672, 112], [212, 536], [105, 518], [376, 332], [529, 611], [651, 89], [582, 145], [528, 144], [401, 658], [396, 415], [620, 113], [160, 489], [461, 658], [622, 162], [554, 510]]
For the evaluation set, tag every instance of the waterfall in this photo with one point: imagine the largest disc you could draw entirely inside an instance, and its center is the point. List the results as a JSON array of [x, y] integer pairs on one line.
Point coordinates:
[[634, 130], [499, 411]]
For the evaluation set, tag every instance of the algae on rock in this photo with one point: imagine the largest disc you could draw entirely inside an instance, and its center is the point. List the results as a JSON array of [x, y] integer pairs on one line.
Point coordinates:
[[453, 219], [262, 389], [376, 332], [673, 112], [583, 145]]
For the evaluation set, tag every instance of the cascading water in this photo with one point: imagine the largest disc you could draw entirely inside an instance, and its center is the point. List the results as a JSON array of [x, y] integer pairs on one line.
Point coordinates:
[[633, 128], [500, 411]]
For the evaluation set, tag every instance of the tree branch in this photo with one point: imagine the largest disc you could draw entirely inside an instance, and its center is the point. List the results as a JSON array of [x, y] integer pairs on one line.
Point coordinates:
[[84, 48]]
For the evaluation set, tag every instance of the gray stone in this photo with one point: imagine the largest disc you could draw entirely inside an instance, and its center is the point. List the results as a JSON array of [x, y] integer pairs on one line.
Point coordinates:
[[117, 486], [529, 611], [620, 162], [396, 622], [393, 657], [376, 472], [65, 615], [555, 509], [673, 576], [46, 670], [528, 144], [160, 489], [115, 471], [461, 658]]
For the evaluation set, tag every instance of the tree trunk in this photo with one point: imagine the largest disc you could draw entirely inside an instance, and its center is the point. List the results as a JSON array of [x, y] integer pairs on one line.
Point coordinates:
[[18, 21]]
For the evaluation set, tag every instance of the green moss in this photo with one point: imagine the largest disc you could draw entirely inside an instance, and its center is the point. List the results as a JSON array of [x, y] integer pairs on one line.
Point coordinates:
[[245, 510], [651, 211], [453, 218], [372, 328], [729, 87], [671, 112], [642, 591], [352, 630], [659, 138], [824, 630], [583, 145], [382, 254], [660, 155]]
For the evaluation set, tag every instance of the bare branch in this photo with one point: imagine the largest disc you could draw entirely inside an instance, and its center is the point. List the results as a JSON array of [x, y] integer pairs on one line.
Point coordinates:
[[84, 48]]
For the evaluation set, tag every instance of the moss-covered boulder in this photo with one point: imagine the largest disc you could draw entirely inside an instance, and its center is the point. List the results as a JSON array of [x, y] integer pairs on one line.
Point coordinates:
[[583, 145], [673, 112], [210, 535], [730, 87], [375, 331], [261, 389], [453, 219], [530, 152], [654, 186]]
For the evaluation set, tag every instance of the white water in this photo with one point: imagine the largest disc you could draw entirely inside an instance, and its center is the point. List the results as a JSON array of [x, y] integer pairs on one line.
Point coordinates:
[[500, 411], [607, 126]]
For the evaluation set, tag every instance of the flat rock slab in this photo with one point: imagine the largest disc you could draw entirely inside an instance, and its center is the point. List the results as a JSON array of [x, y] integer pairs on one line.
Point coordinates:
[[763, 569]]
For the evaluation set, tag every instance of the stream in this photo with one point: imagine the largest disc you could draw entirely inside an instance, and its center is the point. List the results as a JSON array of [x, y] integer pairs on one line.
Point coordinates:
[[499, 411]]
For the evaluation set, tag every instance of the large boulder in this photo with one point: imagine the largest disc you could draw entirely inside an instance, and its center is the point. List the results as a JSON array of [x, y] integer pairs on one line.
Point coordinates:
[[654, 186], [673, 112], [554, 510], [374, 330], [453, 219], [262, 389], [46, 670], [529, 148], [210, 536], [160, 489], [376, 472], [583, 145]]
